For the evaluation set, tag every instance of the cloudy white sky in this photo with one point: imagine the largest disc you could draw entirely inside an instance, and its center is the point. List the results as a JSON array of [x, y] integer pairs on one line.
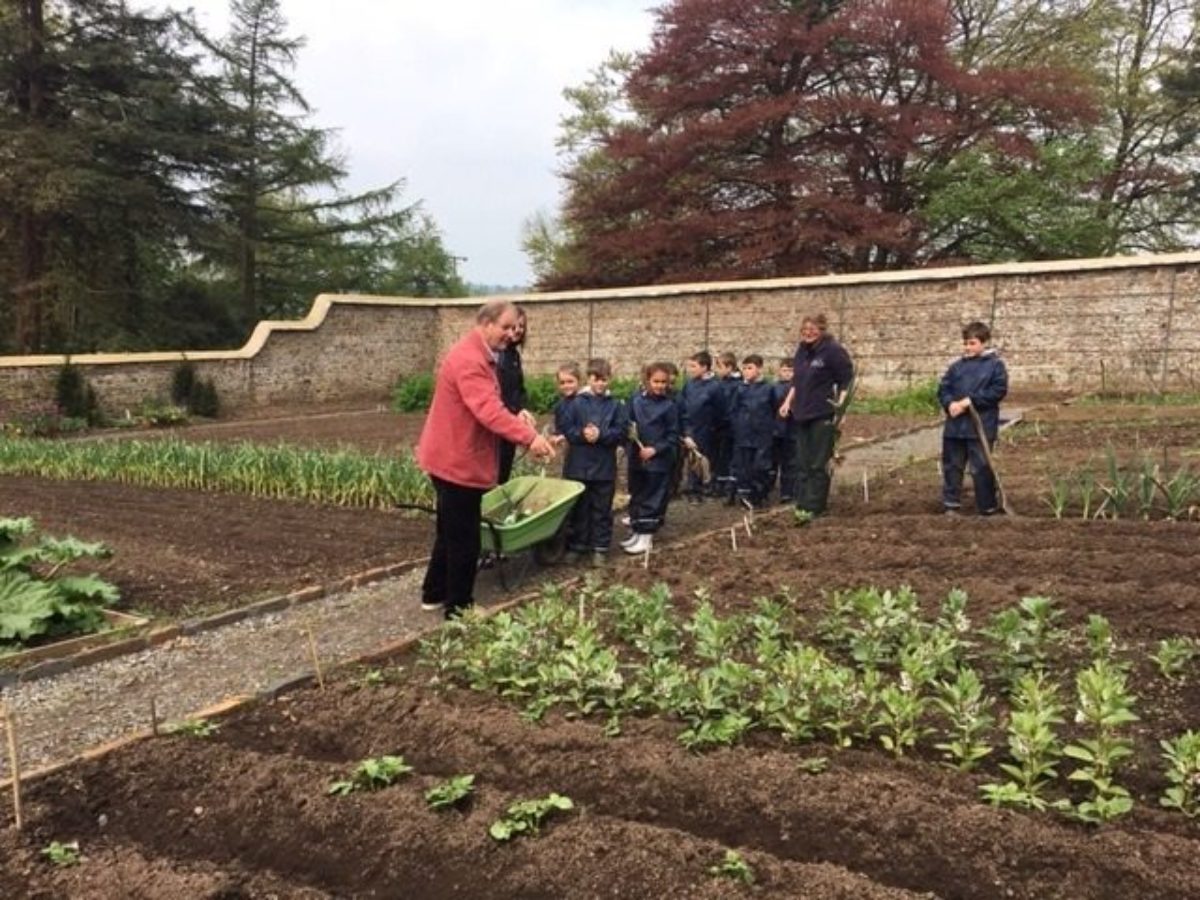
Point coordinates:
[[461, 100]]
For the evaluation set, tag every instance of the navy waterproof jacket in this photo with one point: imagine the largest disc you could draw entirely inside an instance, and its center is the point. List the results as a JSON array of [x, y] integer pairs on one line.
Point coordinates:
[[729, 385], [984, 379], [784, 427], [512, 379], [657, 420], [598, 461], [703, 409], [820, 372], [754, 414]]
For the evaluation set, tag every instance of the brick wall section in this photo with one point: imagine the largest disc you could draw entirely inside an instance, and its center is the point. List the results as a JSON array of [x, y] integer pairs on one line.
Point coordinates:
[[1132, 323]]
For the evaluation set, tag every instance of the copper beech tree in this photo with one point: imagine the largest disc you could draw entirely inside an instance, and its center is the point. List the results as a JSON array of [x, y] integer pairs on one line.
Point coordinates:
[[771, 138]]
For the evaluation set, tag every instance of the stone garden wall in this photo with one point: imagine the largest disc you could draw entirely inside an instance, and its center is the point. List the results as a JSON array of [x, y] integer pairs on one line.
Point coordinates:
[[1131, 323]]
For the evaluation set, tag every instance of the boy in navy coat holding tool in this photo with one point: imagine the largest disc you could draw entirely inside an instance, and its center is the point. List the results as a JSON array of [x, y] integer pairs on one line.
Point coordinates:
[[703, 411], [975, 381]]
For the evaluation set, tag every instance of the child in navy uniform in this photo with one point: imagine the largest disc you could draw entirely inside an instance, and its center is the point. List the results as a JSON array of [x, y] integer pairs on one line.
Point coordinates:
[[783, 444], [703, 411], [566, 379], [723, 465], [594, 424], [654, 441], [753, 415], [978, 380]]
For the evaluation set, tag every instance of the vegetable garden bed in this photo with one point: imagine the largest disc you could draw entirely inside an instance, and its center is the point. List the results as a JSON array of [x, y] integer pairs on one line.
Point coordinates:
[[247, 811]]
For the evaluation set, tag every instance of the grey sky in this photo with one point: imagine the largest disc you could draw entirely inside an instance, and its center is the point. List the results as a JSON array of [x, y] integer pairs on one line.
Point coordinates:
[[462, 101]]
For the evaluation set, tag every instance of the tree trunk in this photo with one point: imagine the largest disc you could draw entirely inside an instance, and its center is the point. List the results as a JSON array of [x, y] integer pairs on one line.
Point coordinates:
[[30, 290]]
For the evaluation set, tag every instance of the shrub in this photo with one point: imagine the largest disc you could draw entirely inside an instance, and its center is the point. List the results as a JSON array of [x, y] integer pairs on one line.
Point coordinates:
[[76, 398], [183, 382], [412, 393], [203, 399]]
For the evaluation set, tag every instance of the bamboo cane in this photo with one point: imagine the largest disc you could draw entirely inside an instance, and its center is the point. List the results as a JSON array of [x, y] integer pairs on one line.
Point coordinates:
[[312, 650], [14, 762]]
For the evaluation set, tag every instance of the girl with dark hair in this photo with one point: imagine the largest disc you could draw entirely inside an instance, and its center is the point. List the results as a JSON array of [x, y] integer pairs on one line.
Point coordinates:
[[512, 388]]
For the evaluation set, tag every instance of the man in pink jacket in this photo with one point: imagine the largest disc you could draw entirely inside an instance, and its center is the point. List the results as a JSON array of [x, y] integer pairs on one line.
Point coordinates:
[[459, 448]]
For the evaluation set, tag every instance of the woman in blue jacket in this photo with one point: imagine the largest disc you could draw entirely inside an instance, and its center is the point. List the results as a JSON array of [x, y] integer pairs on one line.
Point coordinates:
[[821, 377]]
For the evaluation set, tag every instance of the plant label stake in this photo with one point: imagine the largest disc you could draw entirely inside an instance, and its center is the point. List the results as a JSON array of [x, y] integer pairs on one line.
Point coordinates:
[[866, 488], [733, 537], [746, 525], [312, 650], [646, 559], [14, 763]]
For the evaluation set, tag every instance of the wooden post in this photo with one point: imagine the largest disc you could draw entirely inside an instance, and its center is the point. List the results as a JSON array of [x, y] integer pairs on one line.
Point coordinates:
[[14, 762], [312, 649]]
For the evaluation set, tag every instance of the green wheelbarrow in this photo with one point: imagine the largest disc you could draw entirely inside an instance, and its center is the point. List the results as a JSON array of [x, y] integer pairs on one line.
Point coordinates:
[[528, 513]]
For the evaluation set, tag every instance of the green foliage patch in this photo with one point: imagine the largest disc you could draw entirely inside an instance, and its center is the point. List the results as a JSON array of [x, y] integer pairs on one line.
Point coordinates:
[[37, 599]]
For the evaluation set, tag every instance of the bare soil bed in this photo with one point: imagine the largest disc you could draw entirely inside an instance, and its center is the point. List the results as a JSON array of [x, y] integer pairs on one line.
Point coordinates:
[[245, 812], [178, 553]]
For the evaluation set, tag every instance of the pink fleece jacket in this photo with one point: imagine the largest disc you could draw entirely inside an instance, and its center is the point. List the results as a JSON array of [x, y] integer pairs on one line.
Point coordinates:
[[459, 442]]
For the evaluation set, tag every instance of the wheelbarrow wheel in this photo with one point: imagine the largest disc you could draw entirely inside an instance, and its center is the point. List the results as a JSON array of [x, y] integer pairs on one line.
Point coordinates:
[[550, 552]]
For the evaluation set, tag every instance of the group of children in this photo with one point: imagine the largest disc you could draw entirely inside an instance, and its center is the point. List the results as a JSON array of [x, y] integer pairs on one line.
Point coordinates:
[[728, 415], [731, 416]]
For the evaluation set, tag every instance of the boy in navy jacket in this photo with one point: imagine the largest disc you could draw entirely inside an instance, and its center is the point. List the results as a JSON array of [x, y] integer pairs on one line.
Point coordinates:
[[753, 416], [783, 444], [977, 380], [654, 441], [594, 424], [703, 411], [723, 466]]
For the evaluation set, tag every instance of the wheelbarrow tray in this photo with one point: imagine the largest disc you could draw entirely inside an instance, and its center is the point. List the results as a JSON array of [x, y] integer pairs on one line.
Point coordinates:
[[555, 496]]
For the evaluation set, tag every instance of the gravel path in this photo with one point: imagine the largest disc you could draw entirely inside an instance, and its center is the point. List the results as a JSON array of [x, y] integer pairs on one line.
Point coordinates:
[[60, 717]]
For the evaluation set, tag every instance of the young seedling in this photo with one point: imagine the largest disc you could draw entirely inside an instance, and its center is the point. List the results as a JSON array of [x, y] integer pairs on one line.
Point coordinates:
[[198, 728], [1060, 495], [450, 793], [1183, 760], [1085, 481], [900, 709], [813, 765], [733, 866], [526, 816], [969, 712], [372, 775], [1173, 656], [371, 678], [62, 854], [1032, 743], [802, 517], [1105, 706]]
